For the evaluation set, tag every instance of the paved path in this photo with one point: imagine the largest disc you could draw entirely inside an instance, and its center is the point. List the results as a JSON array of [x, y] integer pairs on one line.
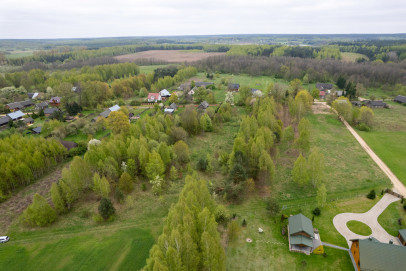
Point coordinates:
[[370, 218], [398, 186], [334, 246]]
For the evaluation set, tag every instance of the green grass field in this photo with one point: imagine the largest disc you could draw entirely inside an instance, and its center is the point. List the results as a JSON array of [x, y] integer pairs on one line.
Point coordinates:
[[388, 138], [150, 68], [352, 57], [389, 219], [359, 228]]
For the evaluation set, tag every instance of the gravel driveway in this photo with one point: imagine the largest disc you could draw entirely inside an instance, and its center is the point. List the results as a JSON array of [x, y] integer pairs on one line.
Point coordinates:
[[370, 218]]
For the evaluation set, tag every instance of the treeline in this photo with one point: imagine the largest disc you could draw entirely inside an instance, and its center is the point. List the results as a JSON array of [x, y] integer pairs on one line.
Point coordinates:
[[40, 79], [313, 70], [24, 159], [190, 240], [54, 56], [377, 50]]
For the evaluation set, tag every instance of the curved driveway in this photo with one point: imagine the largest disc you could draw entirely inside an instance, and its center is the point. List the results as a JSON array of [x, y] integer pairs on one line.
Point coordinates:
[[370, 218]]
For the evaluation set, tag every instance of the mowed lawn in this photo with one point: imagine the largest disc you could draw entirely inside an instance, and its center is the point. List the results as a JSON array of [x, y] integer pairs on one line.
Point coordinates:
[[388, 138], [124, 249]]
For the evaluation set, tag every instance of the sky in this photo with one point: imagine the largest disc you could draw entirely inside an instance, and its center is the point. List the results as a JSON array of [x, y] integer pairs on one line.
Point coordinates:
[[35, 19]]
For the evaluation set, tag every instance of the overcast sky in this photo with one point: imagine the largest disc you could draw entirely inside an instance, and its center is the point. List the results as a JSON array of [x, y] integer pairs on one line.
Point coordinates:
[[113, 18]]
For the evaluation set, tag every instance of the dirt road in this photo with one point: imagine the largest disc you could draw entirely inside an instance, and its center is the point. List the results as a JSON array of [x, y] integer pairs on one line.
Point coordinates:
[[398, 186]]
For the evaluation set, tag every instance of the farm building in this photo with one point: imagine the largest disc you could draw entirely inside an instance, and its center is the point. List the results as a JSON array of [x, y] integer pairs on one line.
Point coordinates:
[[203, 84], [370, 254], [400, 99], [55, 101], [324, 86], [4, 120], [164, 93], [402, 236], [50, 111], [27, 103], [154, 97], [233, 87], [16, 115], [14, 106], [41, 105], [302, 237], [376, 104]]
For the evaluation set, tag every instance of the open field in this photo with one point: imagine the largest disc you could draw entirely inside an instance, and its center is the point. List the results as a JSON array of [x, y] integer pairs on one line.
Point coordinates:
[[173, 56], [352, 57], [17, 54], [388, 138]]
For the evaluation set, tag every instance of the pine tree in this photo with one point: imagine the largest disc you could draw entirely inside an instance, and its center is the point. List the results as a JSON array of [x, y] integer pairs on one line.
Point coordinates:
[[57, 199], [126, 183], [299, 172]]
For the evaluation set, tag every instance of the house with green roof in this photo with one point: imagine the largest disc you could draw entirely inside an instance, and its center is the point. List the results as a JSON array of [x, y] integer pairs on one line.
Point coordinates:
[[301, 234], [402, 236], [370, 254]]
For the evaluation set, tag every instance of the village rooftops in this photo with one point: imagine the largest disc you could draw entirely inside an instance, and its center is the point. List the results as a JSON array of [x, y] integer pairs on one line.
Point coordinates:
[[50, 111], [324, 86], [27, 103], [16, 115], [16, 105]]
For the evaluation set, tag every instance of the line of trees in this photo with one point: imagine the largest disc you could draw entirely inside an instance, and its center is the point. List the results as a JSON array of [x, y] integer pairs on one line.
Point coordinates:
[[24, 159], [314, 70], [190, 240]]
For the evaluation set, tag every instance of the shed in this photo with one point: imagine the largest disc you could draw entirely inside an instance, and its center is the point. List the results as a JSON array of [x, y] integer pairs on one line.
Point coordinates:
[[37, 130], [16, 115], [370, 254], [28, 121], [400, 99], [68, 144], [203, 105], [233, 87]]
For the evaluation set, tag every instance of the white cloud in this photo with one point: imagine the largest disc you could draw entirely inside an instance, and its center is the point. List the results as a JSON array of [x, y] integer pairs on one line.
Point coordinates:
[[98, 18]]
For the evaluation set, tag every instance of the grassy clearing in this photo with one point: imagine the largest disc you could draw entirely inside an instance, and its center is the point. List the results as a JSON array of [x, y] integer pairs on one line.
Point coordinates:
[[17, 54], [388, 138], [349, 170], [389, 219], [359, 228], [149, 69], [352, 57]]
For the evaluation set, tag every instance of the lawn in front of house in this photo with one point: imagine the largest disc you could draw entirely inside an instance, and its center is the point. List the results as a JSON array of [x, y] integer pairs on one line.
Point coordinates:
[[389, 219], [359, 228]]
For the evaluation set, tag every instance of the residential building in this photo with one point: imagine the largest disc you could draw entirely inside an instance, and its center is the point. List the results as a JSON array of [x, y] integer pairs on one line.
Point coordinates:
[[41, 106], [322, 95], [55, 101], [28, 121], [203, 105], [4, 120], [233, 87], [301, 234], [164, 94], [370, 254], [324, 86], [16, 115], [50, 111], [37, 130], [14, 106], [402, 236], [154, 97], [376, 104]]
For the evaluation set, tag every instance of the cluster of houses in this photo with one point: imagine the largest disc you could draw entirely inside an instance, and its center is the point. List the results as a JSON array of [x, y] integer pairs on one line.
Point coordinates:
[[17, 107]]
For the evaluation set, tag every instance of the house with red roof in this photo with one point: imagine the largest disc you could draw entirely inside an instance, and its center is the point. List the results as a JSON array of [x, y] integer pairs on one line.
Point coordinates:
[[154, 97]]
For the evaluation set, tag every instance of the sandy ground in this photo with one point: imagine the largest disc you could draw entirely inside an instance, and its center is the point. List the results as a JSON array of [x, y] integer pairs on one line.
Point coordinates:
[[167, 55]]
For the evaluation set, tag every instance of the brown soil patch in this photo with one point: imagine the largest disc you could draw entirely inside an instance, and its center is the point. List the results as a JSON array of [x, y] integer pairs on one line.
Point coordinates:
[[172, 56], [320, 108], [13, 207]]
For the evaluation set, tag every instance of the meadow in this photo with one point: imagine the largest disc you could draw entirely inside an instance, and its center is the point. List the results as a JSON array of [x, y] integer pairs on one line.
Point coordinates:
[[388, 138]]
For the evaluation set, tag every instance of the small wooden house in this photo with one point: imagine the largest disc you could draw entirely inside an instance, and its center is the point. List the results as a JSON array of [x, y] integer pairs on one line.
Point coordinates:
[[55, 101], [376, 104], [301, 234], [14, 106]]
